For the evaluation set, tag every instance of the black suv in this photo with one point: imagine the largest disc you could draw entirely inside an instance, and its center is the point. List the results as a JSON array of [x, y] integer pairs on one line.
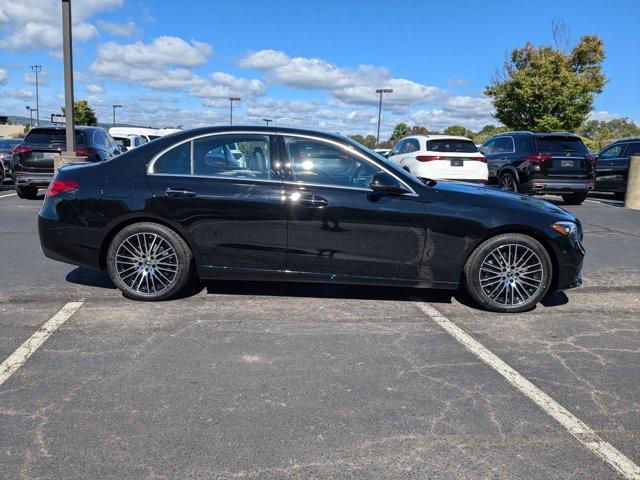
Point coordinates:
[[541, 163], [613, 166], [32, 160]]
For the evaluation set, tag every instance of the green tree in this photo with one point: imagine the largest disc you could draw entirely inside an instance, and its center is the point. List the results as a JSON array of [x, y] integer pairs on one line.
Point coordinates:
[[457, 130], [400, 131], [418, 130], [600, 133], [83, 113], [486, 132], [545, 89]]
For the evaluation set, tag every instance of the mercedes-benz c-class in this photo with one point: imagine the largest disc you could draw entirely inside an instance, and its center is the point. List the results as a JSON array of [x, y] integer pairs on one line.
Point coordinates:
[[283, 204]]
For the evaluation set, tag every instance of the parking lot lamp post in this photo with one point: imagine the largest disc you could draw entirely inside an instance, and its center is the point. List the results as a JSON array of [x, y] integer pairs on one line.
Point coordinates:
[[231, 100], [114, 113], [67, 55], [381, 91], [37, 69], [267, 121], [30, 115]]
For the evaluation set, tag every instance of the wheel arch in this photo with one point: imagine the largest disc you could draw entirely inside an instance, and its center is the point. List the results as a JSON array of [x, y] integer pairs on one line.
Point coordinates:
[[125, 222], [522, 230], [509, 169]]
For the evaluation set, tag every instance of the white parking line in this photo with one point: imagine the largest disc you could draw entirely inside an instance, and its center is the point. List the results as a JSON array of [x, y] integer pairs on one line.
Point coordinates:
[[8, 195], [576, 427], [24, 351]]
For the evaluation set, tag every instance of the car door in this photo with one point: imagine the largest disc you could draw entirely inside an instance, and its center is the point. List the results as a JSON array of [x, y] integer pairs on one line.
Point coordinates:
[[408, 153], [605, 171], [621, 166], [502, 153], [234, 214], [395, 153], [487, 151], [337, 226]]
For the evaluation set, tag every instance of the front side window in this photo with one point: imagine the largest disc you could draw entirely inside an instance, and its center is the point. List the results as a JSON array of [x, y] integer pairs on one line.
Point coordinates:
[[503, 145], [487, 147], [612, 152], [322, 163], [176, 161], [235, 156]]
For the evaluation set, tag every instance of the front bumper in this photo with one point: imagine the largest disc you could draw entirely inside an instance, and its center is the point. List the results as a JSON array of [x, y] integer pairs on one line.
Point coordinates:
[[557, 186], [570, 255]]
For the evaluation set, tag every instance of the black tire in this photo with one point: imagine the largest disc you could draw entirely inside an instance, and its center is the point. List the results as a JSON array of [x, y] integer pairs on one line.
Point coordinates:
[[619, 195], [28, 192], [146, 269], [509, 182], [574, 198], [478, 273]]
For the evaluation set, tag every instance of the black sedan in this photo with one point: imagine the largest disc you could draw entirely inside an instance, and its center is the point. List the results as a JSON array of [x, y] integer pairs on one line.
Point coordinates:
[[301, 205]]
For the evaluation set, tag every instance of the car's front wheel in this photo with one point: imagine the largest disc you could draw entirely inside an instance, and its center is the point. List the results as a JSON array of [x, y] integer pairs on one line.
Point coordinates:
[[148, 261], [508, 182], [574, 198], [508, 273]]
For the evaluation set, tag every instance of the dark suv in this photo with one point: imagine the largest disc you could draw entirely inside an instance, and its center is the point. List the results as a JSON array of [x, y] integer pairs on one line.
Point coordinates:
[[541, 163], [613, 166], [32, 160]]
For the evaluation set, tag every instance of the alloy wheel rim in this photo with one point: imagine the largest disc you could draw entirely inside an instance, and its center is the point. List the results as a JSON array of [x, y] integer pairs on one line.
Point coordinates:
[[511, 274], [508, 183], [146, 263]]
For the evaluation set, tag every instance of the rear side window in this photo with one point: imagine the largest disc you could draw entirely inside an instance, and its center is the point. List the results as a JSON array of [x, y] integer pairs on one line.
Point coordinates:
[[503, 145], [176, 161], [234, 156], [451, 146], [46, 136], [633, 150], [560, 144]]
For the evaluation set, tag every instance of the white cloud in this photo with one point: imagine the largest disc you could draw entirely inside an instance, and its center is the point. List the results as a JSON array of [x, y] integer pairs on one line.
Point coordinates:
[[152, 64], [603, 116], [119, 29], [94, 88], [43, 78], [36, 24], [225, 85], [20, 94], [4, 76], [264, 59]]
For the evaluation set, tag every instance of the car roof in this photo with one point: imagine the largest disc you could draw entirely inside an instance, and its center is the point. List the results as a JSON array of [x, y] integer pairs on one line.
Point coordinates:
[[58, 127], [536, 134], [438, 137]]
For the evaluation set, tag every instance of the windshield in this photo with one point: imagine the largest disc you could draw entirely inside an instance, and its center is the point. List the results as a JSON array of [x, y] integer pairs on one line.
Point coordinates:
[[561, 144], [452, 145]]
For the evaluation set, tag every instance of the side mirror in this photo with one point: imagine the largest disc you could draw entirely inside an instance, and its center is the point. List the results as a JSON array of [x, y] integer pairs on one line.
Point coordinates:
[[386, 184]]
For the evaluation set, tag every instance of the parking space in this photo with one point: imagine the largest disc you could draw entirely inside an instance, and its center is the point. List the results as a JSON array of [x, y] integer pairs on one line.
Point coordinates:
[[247, 380]]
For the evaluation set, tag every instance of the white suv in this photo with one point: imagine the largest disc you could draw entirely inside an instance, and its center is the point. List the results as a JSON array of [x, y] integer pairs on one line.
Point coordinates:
[[441, 157]]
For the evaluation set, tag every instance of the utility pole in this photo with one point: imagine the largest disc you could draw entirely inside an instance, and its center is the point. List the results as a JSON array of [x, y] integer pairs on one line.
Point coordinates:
[[37, 69], [381, 91], [267, 121], [67, 55], [114, 113], [231, 100], [28, 107]]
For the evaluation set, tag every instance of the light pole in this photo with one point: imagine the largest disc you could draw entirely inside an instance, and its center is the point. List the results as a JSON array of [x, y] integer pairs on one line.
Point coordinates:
[[231, 100], [381, 91], [30, 114], [37, 69], [267, 121], [67, 55], [114, 113]]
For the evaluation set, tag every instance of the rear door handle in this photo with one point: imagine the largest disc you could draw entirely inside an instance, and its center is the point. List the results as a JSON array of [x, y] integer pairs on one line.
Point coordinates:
[[173, 192], [313, 201]]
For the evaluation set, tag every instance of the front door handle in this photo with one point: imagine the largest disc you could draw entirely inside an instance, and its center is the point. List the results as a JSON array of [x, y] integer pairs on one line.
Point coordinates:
[[312, 201], [174, 193]]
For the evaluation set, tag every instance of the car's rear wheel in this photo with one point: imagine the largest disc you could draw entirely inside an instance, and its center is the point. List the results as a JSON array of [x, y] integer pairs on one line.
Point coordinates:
[[28, 192], [508, 273], [508, 182], [148, 261], [574, 198]]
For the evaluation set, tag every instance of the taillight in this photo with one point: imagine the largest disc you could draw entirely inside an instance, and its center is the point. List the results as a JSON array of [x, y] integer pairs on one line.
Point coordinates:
[[481, 158], [20, 149], [592, 158], [86, 152], [56, 187], [428, 158], [539, 158]]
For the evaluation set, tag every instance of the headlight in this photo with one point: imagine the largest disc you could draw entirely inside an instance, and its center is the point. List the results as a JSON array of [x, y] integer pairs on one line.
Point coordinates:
[[568, 229]]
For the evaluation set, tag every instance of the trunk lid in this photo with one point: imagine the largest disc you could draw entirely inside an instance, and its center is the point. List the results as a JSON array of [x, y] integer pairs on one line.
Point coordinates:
[[565, 156]]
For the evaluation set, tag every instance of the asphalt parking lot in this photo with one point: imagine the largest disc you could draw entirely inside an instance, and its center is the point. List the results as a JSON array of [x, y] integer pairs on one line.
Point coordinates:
[[244, 380]]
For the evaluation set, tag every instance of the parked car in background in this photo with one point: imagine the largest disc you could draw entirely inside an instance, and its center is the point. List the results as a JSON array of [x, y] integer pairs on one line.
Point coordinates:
[[32, 160], [308, 206], [541, 163], [6, 147], [148, 134], [127, 142], [383, 151], [440, 157], [612, 169]]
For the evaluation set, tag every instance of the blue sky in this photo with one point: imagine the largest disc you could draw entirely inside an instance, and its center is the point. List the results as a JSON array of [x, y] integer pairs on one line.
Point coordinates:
[[310, 63]]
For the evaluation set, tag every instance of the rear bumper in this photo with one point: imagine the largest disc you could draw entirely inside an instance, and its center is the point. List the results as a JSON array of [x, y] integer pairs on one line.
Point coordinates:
[[557, 186], [33, 179], [68, 244]]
